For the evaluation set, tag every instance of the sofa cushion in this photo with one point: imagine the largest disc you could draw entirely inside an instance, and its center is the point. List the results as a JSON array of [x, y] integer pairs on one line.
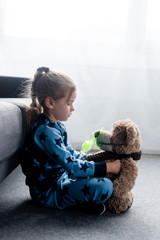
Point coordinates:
[[12, 87], [11, 131], [13, 123], [22, 104]]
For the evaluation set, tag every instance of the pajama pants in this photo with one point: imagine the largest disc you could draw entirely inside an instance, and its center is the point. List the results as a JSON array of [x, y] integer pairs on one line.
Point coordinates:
[[76, 191]]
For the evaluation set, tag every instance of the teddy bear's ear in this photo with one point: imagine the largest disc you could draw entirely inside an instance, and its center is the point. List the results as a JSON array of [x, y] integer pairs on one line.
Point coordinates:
[[133, 137], [132, 134]]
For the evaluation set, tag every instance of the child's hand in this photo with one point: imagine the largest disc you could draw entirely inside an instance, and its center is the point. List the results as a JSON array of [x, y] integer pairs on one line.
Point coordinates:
[[113, 167]]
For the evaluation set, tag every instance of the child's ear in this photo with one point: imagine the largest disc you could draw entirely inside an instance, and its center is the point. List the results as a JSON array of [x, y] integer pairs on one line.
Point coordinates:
[[49, 102]]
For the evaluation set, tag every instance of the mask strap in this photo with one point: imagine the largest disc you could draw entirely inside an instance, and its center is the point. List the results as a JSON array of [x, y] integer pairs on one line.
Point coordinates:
[[112, 144]]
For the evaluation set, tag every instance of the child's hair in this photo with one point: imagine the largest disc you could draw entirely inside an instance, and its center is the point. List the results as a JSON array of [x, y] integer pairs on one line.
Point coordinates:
[[47, 83]]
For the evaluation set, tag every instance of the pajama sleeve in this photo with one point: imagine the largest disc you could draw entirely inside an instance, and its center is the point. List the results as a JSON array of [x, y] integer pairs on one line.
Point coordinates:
[[51, 141], [75, 153]]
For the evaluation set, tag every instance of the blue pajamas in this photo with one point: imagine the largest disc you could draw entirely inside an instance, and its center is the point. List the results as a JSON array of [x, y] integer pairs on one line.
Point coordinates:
[[76, 191], [57, 175]]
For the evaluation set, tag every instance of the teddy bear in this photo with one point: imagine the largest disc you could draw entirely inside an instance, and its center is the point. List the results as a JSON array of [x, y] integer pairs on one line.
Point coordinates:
[[123, 143]]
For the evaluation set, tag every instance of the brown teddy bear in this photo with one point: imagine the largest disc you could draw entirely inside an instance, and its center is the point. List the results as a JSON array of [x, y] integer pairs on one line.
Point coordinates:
[[124, 143]]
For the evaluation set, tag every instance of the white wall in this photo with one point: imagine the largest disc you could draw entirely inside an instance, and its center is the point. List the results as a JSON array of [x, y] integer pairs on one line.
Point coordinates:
[[116, 78]]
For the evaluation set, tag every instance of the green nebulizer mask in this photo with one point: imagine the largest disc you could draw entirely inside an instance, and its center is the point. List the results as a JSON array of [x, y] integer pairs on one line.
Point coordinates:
[[101, 139]]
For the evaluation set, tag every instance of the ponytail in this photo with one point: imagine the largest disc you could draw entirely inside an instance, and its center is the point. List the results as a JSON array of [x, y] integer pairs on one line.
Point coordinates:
[[34, 110], [32, 116]]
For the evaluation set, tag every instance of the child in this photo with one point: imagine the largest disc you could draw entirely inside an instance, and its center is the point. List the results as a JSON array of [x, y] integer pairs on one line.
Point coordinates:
[[57, 175]]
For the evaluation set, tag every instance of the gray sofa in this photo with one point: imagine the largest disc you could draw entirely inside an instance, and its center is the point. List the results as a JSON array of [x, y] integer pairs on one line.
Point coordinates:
[[12, 124]]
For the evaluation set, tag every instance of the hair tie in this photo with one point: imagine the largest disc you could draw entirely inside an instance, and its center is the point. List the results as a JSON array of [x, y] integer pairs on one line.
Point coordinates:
[[46, 70]]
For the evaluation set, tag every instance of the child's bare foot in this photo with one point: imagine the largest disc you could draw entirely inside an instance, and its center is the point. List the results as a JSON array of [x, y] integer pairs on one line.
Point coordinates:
[[114, 167]]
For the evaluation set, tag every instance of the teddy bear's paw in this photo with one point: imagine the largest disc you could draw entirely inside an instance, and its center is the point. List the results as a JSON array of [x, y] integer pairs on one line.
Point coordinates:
[[120, 205], [123, 211]]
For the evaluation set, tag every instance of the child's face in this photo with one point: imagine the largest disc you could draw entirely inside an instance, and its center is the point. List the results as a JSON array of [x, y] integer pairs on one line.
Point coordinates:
[[63, 107]]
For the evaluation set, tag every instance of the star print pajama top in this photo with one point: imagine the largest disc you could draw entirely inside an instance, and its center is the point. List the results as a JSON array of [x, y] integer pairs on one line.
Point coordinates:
[[57, 175]]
